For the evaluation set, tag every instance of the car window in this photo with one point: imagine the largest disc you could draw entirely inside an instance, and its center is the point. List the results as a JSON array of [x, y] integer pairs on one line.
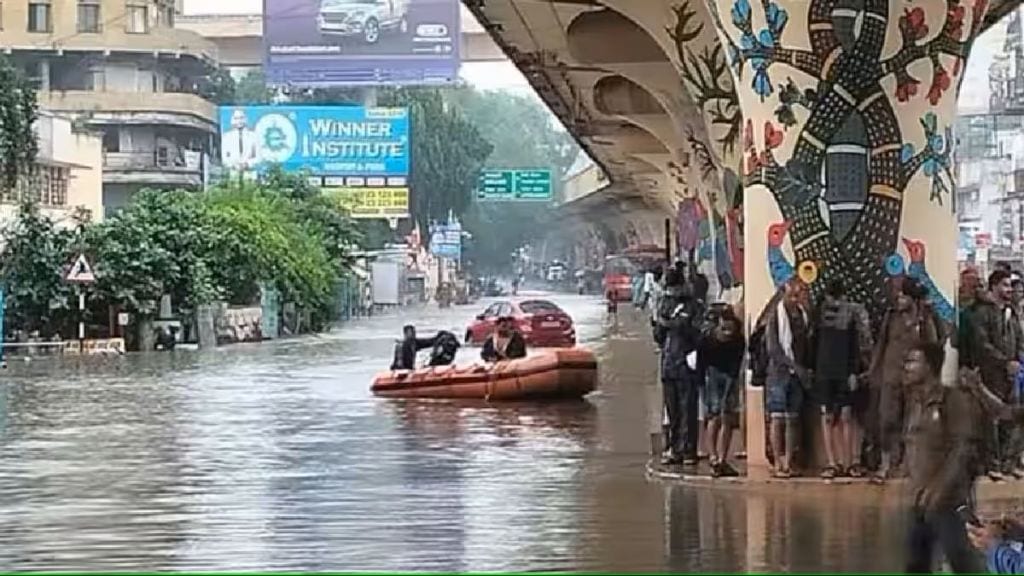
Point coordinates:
[[492, 310], [506, 310], [539, 307]]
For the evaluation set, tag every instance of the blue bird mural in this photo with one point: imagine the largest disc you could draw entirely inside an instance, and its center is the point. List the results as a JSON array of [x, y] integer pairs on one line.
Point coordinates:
[[919, 272], [781, 269]]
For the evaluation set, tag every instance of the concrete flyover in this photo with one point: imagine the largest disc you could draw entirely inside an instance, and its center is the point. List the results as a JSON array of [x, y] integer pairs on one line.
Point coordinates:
[[794, 142]]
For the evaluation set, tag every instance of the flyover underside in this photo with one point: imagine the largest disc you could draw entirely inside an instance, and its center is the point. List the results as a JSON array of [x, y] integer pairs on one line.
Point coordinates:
[[793, 142], [648, 88]]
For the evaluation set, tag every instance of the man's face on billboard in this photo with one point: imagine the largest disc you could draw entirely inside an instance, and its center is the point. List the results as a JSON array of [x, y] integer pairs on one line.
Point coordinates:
[[238, 120]]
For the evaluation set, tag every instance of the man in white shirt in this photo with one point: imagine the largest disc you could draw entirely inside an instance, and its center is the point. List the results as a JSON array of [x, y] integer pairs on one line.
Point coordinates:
[[653, 292], [238, 145]]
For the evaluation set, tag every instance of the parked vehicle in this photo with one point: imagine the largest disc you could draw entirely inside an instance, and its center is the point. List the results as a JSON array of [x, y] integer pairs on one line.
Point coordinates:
[[620, 269], [541, 322], [364, 18], [556, 272]]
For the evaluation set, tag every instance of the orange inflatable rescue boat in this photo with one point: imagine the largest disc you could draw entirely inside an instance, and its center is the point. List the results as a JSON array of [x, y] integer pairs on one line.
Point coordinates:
[[553, 374]]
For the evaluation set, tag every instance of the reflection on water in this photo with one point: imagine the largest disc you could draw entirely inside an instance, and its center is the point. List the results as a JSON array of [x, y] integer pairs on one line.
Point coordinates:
[[275, 457]]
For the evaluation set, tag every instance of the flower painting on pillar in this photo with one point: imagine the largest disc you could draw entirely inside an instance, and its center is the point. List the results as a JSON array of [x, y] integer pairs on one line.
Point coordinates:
[[847, 140]]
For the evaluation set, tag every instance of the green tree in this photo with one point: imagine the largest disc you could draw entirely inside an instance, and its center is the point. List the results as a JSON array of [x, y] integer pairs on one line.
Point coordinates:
[[321, 215], [523, 134], [36, 252], [160, 243], [252, 89], [18, 111], [218, 86], [448, 152], [263, 240]]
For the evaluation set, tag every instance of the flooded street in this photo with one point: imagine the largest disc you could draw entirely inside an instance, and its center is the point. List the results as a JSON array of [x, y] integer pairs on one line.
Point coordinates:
[[276, 457]]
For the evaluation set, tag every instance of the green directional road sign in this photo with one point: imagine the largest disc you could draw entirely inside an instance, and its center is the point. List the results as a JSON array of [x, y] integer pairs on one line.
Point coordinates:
[[496, 184], [515, 185]]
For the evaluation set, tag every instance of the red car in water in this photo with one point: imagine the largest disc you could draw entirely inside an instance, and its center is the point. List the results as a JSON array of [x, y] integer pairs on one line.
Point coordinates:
[[541, 322]]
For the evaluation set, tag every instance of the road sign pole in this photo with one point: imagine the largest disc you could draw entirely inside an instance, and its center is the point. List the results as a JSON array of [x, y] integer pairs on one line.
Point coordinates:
[[81, 314]]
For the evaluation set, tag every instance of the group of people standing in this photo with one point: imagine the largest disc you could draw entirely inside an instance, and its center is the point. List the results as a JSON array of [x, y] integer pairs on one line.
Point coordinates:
[[884, 409], [799, 352], [827, 353], [702, 349]]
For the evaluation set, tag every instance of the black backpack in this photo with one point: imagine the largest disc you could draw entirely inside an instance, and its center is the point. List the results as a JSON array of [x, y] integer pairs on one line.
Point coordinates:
[[757, 347]]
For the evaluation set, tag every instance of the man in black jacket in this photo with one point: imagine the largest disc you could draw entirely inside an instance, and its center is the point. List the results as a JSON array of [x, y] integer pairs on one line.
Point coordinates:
[[680, 316], [505, 344], [405, 351]]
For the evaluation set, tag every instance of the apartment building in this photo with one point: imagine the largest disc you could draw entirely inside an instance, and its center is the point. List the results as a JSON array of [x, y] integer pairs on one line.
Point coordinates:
[[121, 68]]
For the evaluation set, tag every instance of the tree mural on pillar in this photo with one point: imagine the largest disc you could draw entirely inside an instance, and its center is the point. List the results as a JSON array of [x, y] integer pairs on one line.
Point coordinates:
[[706, 77], [841, 190]]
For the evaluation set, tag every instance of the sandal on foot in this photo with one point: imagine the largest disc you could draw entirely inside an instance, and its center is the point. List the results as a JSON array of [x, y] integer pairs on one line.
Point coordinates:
[[829, 472], [855, 471]]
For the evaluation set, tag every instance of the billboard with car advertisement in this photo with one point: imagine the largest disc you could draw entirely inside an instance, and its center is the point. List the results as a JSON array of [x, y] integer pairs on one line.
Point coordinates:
[[323, 140], [324, 43]]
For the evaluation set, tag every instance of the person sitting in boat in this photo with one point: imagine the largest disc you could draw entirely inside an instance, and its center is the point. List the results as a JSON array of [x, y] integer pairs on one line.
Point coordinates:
[[405, 351], [446, 345], [505, 344]]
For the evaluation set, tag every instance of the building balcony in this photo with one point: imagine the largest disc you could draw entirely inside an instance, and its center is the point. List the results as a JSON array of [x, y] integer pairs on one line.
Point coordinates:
[[153, 168], [138, 108], [173, 42]]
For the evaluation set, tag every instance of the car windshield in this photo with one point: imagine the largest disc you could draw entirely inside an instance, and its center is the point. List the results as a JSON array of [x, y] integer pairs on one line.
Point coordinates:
[[539, 307]]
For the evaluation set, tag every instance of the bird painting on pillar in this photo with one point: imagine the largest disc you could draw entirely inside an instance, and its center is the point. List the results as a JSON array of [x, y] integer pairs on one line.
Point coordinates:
[[847, 110]]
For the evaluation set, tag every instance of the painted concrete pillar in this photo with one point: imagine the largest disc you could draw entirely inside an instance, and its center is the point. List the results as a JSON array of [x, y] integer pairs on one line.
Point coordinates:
[[848, 110]]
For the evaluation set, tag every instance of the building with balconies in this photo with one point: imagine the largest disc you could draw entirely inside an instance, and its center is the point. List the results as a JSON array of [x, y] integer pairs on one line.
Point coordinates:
[[67, 180], [121, 68]]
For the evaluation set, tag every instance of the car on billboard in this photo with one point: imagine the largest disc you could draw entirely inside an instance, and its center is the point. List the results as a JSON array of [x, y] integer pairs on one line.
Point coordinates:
[[363, 18]]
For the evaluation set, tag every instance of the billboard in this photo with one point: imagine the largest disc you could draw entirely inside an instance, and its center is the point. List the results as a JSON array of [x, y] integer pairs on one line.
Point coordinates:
[[326, 140], [378, 203], [446, 240], [322, 43]]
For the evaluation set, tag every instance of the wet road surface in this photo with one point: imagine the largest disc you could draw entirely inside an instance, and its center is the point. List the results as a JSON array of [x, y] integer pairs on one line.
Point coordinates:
[[276, 457]]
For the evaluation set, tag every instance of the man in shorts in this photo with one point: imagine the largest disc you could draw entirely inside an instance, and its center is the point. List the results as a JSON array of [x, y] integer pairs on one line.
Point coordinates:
[[788, 343], [721, 358], [838, 359]]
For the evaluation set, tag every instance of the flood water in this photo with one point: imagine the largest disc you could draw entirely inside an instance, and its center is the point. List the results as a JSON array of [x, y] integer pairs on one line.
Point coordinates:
[[276, 457]]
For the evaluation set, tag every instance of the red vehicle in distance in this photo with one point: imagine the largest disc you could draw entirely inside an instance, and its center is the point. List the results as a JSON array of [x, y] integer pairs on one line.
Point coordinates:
[[541, 322], [619, 270]]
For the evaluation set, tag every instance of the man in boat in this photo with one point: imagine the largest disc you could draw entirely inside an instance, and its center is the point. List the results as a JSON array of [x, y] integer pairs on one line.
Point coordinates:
[[505, 344], [446, 345], [405, 351]]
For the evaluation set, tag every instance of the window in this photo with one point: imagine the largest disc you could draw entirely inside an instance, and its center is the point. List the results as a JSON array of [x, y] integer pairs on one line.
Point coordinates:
[[111, 141], [539, 307], [137, 19], [89, 17], [165, 14], [59, 178], [40, 18]]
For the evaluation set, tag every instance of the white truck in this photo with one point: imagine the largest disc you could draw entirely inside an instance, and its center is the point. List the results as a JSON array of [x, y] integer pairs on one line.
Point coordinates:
[[387, 283]]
